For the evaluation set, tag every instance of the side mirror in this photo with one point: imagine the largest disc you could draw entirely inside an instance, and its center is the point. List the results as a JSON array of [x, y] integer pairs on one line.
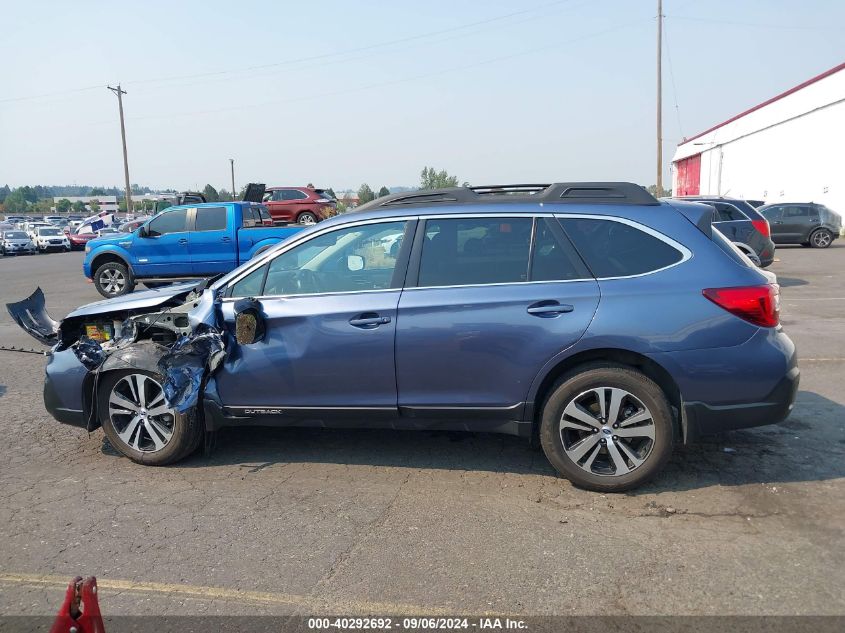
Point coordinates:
[[249, 324], [354, 263]]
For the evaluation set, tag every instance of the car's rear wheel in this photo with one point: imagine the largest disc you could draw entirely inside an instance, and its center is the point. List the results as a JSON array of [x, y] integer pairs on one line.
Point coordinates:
[[140, 424], [821, 238], [606, 428], [112, 279], [306, 217]]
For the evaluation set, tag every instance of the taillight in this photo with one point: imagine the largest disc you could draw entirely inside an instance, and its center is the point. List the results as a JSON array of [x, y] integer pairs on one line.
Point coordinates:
[[759, 305], [763, 227]]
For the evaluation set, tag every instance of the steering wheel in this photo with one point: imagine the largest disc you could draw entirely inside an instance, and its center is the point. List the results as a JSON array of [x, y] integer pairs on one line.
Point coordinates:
[[306, 281]]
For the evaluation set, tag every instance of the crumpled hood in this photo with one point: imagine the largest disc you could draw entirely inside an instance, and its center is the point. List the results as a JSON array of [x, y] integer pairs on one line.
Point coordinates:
[[135, 300]]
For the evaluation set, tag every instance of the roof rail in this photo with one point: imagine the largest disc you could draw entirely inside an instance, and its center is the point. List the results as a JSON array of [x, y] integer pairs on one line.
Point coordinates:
[[561, 192]]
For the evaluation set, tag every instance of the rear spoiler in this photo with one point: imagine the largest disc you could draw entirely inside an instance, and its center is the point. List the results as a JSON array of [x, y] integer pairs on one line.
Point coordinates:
[[699, 213]]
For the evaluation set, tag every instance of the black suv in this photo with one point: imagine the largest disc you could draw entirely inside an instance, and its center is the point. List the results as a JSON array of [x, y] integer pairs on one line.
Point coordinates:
[[743, 225], [808, 224]]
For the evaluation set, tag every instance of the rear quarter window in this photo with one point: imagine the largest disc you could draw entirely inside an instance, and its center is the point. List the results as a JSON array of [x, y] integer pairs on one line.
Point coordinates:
[[615, 249]]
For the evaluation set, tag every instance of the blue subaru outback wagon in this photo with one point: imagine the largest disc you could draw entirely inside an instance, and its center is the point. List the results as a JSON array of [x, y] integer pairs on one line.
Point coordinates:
[[589, 317]]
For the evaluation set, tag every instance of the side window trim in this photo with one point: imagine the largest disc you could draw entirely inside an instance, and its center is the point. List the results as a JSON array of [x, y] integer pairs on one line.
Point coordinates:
[[686, 254]]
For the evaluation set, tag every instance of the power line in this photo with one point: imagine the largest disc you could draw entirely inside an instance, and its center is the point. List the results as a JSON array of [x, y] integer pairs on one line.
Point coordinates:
[[53, 94], [753, 24], [435, 73], [350, 50]]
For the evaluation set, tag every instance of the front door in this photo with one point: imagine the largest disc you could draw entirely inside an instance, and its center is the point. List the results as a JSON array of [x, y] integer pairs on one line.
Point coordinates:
[[330, 311], [495, 299], [163, 252]]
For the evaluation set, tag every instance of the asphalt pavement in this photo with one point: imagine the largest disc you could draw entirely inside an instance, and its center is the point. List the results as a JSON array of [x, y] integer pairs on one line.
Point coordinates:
[[310, 521]]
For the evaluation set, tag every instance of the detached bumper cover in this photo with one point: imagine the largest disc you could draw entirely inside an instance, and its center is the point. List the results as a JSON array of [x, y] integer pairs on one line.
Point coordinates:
[[63, 391]]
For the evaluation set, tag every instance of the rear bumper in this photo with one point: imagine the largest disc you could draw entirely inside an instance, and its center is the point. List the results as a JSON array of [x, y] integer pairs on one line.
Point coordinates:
[[735, 387], [702, 419]]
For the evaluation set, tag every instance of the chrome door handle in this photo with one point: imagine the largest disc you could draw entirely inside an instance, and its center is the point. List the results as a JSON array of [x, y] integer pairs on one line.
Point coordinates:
[[369, 321], [183, 240], [549, 309]]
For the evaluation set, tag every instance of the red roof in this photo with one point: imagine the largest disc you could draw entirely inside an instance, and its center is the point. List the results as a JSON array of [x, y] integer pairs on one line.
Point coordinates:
[[827, 73]]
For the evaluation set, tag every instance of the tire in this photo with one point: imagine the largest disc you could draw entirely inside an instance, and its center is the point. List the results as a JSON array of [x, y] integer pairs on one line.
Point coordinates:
[[112, 279], [821, 238], [570, 443], [306, 217], [150, 440]]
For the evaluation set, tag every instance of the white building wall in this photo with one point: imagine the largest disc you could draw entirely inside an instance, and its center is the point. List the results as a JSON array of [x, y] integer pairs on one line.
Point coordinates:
[[787, 151]]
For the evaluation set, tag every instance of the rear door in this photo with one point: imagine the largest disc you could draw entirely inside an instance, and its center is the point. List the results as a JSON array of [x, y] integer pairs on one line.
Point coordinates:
[[795, 222], [211, 246], [488, 301], [164, 251]]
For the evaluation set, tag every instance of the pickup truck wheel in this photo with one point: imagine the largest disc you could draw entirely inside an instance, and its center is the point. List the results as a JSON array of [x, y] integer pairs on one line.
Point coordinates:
[[306, 217], [606, 427], [112, 279], [138, 422]]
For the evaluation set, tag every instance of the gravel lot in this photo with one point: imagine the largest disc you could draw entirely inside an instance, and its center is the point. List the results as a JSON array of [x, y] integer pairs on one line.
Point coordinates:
[[318, 521]]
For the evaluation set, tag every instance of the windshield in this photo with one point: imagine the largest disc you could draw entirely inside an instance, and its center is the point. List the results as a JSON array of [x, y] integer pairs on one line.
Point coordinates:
[[16, 235], [49, 232]]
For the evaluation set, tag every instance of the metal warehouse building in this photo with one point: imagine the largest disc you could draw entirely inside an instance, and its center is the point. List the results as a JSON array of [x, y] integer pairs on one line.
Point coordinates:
[[787, 149]]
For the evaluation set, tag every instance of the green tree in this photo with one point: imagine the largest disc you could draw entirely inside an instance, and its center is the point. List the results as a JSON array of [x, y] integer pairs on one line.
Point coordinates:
[[94, 205], [430, 178], [4, 192], [663, 193], [384, 191], [211, 194], [63, 205], [224, 196], [365, 194], [77, 207], [16, 201], [97, 191], [329, 191]]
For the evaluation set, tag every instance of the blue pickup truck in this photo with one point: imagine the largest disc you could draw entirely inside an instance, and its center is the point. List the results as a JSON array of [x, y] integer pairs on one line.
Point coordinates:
[[182, 242]]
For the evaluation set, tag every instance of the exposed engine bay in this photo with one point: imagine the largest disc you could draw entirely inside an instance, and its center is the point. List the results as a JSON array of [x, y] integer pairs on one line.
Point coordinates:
[[150, 330]]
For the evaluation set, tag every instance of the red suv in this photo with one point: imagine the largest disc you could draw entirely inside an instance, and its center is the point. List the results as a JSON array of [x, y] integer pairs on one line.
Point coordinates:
[[299, 204]]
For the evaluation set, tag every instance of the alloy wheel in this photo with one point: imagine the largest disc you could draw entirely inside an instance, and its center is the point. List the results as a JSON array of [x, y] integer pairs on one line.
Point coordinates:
[[307, 218], [139, 414], [821, 239], [607, 431], [112, 281]]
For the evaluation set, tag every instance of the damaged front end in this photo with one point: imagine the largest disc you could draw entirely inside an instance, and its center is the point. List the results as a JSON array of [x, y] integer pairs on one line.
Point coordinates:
[[171, 331]]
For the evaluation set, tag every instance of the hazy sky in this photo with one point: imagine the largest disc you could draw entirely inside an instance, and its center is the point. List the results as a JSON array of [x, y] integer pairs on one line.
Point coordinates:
[[339, 93]]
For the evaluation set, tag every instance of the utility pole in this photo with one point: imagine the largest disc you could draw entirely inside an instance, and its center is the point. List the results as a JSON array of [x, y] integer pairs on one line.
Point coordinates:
[[119, 92], [232, 165], [659, 97]]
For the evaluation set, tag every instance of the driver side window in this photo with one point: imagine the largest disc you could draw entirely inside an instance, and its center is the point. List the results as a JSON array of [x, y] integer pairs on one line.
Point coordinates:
[[170, 222], [356, 258]]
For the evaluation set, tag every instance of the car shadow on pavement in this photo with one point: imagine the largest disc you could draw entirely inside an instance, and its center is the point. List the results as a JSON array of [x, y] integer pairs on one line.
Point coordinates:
[[781, 453], [788, 282]]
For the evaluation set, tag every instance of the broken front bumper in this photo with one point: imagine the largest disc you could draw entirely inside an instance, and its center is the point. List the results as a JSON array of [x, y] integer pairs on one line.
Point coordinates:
[[63, 390]]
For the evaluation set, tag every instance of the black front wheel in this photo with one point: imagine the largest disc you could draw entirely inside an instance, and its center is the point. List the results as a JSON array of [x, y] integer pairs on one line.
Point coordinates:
[[140, 424], [112, 279], [606, 427]]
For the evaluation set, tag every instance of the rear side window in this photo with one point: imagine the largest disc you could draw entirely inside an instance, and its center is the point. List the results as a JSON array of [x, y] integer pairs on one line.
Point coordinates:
[[795, 212], [614, 249], [460, 252], [293, 194], [726, 212], [210, 219], [553, 259]]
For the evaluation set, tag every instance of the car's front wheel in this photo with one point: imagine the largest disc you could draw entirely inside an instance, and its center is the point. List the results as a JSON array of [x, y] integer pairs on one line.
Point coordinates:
[[112, 279], [140, 424], [607, 428], [821, 238]]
